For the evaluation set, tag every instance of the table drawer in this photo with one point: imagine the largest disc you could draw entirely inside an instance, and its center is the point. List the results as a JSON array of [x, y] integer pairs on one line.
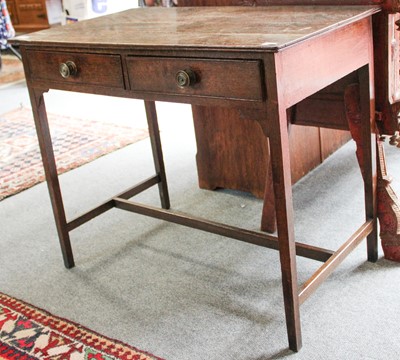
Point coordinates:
[[214, 78], [90, 69]]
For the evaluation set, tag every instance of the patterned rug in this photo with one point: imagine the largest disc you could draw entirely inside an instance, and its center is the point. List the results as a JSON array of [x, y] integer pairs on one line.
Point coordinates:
[[75, 142], [28, 333]]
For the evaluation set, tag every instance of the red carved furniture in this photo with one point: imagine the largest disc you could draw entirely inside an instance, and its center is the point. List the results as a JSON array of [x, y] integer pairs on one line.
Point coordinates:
[[388, 210], [264, 70]]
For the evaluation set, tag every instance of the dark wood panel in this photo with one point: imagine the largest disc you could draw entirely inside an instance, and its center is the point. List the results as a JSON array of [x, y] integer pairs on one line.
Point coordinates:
[[29, 15], [332, 140], [234, 79], [223, 153], [232, 153], [92, 69], [305, 150]]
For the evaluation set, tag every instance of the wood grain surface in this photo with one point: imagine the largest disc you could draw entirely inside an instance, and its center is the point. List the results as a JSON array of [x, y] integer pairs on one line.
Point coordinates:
[[268, 28]]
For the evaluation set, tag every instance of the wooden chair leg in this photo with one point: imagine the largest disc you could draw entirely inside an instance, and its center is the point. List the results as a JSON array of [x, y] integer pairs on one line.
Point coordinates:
[[155, 139], [362, 129], [50, 168], [369, 157]]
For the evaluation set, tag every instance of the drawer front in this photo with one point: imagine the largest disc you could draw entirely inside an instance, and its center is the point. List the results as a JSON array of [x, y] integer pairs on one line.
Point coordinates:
[[91, 69], [228, 79]]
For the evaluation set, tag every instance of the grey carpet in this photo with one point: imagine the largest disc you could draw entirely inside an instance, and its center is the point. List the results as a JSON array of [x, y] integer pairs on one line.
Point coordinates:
[[183, 294]]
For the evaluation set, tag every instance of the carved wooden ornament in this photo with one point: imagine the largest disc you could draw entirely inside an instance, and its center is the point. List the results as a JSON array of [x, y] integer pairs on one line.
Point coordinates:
[[388, 207]]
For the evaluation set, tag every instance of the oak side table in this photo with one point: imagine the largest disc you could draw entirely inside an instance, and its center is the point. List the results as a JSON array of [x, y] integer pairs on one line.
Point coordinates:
[[261, 60]]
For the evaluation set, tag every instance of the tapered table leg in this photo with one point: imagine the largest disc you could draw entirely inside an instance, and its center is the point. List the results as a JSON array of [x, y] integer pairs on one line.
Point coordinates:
[[50, 168], [154, 131], [280, 160]]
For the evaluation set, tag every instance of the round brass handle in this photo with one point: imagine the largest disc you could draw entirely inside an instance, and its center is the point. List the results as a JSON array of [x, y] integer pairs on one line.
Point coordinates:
[[68, 69], [185, 78]]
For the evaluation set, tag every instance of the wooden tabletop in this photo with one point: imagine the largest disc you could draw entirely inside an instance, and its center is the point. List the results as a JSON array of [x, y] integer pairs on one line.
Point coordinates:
[[265, 28]]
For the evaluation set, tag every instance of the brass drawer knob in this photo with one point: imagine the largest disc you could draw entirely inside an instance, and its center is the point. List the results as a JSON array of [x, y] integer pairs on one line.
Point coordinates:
[[185, 78], [68, 69]]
